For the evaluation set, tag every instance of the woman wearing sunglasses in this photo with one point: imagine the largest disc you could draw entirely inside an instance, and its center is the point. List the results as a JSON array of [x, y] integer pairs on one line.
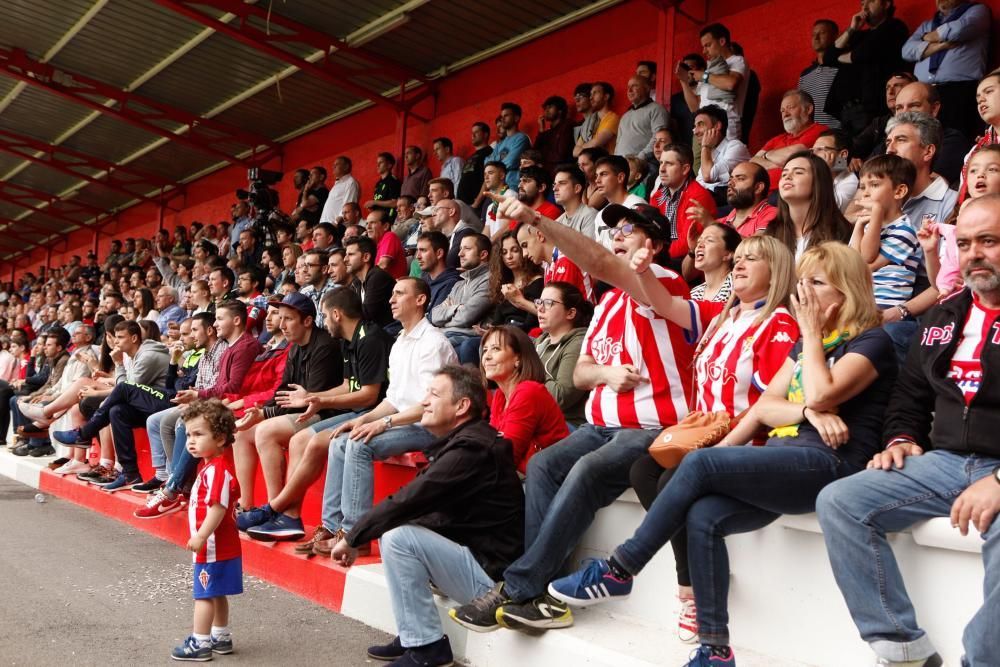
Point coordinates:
[[826, 405]]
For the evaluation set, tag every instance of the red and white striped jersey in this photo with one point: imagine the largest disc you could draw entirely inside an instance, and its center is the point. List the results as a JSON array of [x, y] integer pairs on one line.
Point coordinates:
[[561, 268], [623, 331], [966, 368], [739, 358], [216, 484]]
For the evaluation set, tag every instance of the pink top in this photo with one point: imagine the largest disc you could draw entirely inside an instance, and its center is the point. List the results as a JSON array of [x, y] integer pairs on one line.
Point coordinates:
[[949, 273], [390, 246]]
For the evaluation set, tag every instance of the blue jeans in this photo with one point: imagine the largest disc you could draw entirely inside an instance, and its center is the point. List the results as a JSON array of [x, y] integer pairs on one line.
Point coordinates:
[[565, 485], [412, 557], [466, 346], [722, 491], [856, 514], [160, 427], [349, 491], [901, 333], [182, 464]]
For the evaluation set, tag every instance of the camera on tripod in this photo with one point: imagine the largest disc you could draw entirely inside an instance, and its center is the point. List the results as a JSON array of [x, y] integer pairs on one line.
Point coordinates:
[[263, 198]]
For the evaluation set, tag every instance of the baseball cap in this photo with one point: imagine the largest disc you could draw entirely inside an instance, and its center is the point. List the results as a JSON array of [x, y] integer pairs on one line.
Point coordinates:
[[425, 212], [301, 303], [645, 217]]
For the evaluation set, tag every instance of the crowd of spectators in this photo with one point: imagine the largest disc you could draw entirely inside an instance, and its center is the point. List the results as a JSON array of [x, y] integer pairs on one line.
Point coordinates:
[[532, 314]]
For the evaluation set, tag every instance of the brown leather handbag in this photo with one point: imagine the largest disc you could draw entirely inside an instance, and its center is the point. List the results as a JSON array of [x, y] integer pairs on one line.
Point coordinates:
[[696, 431]]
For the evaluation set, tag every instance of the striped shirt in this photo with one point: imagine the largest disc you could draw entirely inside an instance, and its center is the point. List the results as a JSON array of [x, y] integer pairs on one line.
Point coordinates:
[[208, 367], [216, 485], [738, 357], [817, 81], [561, 268], [966, 368], [894, 281], [623, 331]]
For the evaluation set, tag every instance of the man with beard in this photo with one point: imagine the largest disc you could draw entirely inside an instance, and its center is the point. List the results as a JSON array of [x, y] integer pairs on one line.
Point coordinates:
[[800, 134], [532, 189]]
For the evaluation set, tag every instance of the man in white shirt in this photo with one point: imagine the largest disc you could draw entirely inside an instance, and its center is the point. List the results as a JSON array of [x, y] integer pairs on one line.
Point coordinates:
[[345, 189], [833, 148], [451, 165], [719, 152], [723, 82]]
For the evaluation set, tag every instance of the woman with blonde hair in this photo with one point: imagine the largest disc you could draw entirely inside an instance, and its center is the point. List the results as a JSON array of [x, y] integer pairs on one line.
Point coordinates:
[[741, 344], [826, 405]]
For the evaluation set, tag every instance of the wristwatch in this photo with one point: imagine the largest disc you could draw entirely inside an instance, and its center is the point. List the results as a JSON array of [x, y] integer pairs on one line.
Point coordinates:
[[387, 420], [996, 474], [904, 312], [704, 77]]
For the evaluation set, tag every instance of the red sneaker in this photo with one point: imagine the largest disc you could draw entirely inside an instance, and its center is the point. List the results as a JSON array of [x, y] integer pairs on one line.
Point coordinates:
[[159, 505]]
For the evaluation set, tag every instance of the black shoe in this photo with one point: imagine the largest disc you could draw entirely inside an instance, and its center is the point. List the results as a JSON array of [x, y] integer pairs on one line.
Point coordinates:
[[437, 654], [21, 450], [391, 651], [44, 450], [480, 615], [148, 486], [542, 613]]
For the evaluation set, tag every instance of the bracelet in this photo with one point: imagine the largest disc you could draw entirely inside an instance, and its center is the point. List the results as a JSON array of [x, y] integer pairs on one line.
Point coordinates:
[[903, 310], [804, 408]]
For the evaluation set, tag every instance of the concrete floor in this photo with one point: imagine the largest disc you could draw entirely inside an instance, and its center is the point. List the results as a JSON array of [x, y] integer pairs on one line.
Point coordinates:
[[77, 588]]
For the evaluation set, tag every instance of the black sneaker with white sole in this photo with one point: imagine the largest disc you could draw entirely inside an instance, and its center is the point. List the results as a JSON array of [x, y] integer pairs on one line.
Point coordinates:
[[542, 613], [149, 486], [480, 615]]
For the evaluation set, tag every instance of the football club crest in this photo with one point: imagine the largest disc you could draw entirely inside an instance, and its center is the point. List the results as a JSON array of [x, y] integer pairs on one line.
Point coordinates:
[[203, 579]]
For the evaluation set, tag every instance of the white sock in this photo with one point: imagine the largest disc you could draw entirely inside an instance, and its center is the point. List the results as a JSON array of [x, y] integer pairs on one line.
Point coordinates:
[[202, 639], [107, 463], [161, 474], [118, 467], [218, 632]]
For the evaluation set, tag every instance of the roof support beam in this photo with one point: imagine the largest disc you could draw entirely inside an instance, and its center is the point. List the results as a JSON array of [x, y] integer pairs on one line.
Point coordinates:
[[266, 40], [21, 195], [202, 134], [125, 180], [50, 211]]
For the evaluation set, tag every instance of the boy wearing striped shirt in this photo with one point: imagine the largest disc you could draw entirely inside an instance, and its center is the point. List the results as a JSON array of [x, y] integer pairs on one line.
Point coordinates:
[[215, 541], [884, 235]]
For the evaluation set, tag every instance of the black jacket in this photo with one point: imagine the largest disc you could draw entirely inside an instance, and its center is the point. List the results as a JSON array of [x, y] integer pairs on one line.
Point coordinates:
[[469, 493], [927, 406], [317, 366], [375, 293]]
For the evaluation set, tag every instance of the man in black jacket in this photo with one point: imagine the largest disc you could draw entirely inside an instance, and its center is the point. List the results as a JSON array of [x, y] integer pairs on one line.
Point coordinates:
[[458, 524], [942, 458]]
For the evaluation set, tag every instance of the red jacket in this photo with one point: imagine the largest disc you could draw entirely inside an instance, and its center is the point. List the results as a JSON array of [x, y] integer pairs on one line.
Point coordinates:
[[262, 380], [531, 420], [233, 366], [693, 192]]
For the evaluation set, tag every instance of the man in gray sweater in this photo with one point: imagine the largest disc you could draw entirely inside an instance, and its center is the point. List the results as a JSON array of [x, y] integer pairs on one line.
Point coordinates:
[[643, 118], [469, 300]]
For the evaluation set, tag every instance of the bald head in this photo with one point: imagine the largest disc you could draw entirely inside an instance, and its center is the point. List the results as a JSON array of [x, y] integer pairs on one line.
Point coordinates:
[[977, 235], [918, 96]]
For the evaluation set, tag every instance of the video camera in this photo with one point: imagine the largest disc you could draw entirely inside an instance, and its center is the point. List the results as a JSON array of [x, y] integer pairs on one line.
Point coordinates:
[[263, 198]]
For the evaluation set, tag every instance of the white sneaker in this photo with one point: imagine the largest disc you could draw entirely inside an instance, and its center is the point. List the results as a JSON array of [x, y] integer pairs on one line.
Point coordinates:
[[32, 411], [687, 622], [72, 468]]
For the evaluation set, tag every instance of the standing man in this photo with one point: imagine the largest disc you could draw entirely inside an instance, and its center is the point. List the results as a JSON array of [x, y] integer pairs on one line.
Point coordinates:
[[345, 189], [930, 468], [605, 132], [555, 135], [818, 78], [312, 197], [508, 149], [417, 174], [724, 80], [451, 164], [642, 120], [584, 131], [471, 181], [388, 187]]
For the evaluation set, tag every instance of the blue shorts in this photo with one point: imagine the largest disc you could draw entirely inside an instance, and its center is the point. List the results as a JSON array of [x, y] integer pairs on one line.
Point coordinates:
[[212, 580]]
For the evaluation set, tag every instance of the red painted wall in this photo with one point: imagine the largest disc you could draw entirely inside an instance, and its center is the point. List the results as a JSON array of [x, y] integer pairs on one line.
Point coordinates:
[[775, 36]]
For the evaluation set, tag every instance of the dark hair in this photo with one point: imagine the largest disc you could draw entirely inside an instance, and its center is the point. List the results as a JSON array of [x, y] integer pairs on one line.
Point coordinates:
[[532, 155], [830, 23], [840, 140], [226, 273], [346, 160], [420, 286], [716, 114], [365, 246], [344, 299], [109, 324], [388, 157], [539, 175], [445, 142], [697, 58], [897, 169], [328, 228], [685, 153], [218, 417], [558, 102], [760, 175], [437, 240], [409, 199], [500, 275], [648, 64], [148, 302], [617, 163], [717, 31], [582, 89], [573, 298], [608, 89], [595, 153], [129, 328], [531, 367], [150, 330], [482, 242], [116, 295], [321, 170], [303, 174], [60, 335], [574, 172], [207, 319], [730, 237], [516, 108], [496, 164], [235, 308], [824, 221], [467, 382], [482, 126]]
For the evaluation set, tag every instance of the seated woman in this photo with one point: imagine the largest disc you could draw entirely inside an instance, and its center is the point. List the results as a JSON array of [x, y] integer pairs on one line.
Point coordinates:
[[563, 316], [522, 410], [827, 405], [742, 344], [713, 257]]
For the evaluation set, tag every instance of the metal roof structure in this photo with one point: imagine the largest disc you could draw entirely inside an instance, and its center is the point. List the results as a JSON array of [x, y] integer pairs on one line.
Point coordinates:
[[108, 103]]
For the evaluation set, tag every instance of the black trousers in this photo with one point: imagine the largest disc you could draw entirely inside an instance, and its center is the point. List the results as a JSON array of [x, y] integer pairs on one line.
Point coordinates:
[[648, 478]]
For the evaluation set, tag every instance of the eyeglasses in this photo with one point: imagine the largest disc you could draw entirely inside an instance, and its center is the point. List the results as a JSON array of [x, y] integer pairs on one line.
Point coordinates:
[[545, 304], [624, 229], [313, 266]]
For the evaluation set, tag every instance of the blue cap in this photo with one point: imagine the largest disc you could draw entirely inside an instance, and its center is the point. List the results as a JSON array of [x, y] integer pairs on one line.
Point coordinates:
[[301, 303]]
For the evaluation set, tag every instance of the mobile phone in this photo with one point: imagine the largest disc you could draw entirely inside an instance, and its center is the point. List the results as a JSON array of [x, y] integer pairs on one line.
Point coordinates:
[[684, 66]]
